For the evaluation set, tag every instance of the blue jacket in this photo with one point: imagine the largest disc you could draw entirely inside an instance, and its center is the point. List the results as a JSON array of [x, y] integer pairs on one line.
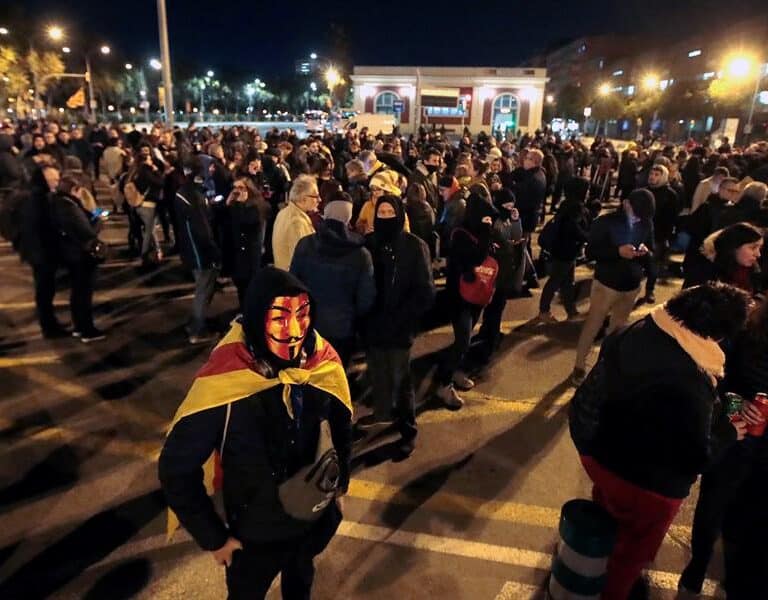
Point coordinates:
[[336, 267], [197, 246], [607, 234]]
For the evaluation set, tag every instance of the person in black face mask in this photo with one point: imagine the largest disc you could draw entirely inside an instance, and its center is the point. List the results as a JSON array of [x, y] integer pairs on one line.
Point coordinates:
[[427, 174], [470, 246], [404, 292]]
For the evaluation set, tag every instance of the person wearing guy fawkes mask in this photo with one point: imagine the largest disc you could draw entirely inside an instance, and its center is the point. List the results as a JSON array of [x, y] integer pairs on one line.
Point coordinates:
[[470, 246], [197, 245], [260, 402], [404, 292]]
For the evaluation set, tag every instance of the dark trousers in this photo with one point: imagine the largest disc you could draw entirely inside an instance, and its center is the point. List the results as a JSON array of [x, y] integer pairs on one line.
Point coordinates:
[[205, 286], [463, 322], [82, 275], [490, 330], [45, 289], [561, 278], [393, 394], [655, 265], [255, 566]]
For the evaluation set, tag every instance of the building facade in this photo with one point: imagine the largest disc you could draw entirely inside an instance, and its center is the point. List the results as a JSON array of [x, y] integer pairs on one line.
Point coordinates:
[[486, 99]]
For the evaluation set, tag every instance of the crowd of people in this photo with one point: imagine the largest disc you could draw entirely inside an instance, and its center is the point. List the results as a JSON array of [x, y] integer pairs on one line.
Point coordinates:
[[335, 242]]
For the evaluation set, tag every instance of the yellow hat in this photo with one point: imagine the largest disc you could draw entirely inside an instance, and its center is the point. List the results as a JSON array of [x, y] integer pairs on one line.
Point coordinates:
[[386, 181]]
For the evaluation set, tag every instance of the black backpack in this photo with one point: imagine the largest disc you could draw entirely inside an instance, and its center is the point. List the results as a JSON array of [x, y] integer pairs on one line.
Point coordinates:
[[549, 233]]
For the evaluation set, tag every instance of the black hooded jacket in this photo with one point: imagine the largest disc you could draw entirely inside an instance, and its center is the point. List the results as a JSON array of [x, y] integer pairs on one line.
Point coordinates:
[[11, 173], [470, 243], [263, 445], [336, 266], [38, 237], [405, 290]]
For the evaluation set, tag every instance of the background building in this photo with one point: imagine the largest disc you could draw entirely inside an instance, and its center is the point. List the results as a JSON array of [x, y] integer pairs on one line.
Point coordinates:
[[688, 85], [481, 98]]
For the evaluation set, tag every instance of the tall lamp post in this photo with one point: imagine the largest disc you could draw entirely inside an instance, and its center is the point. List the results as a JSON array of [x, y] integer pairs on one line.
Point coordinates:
[[165, 58]]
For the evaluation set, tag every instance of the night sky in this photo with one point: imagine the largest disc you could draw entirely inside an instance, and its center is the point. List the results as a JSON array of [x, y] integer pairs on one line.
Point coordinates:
[[265, 38]]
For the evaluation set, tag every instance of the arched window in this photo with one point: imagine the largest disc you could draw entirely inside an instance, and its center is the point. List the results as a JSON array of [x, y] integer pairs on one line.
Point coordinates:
[[505, 113], [385, 103]]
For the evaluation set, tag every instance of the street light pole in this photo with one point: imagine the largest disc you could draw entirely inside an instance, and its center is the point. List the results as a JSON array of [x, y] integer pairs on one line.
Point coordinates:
[[165, 59], [89, 81]]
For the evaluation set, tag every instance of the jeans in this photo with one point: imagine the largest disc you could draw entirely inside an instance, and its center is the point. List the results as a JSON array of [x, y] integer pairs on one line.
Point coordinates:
[[561, 278], [148, 216], [463, 323], [490, 330], [205, 285], [45, 289], [82, 275], [603, 301], [393, 394]]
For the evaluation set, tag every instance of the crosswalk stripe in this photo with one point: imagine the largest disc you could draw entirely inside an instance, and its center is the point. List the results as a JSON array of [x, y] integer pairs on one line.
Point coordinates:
[[25, 361], [512, 590], [481, 508]]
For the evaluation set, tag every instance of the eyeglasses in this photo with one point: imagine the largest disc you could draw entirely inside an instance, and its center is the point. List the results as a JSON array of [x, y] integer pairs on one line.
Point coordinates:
[[315, 196]]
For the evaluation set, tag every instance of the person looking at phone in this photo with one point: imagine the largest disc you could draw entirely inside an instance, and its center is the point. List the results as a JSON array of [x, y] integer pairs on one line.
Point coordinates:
[[617, 242]]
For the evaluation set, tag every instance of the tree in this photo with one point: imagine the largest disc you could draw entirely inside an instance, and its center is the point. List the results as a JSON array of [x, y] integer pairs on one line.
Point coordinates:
[[14, 80], [730, 94], [44, 66]]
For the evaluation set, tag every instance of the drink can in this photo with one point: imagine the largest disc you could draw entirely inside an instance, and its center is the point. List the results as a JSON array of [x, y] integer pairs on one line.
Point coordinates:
[[761, 403], [733, 406]]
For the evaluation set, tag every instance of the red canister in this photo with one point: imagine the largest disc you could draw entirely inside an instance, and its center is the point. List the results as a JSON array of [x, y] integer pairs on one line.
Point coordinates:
[[761, 403]]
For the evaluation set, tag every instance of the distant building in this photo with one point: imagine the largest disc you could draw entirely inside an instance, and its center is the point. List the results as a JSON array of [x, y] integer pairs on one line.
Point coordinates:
[[480, 98], [683, 64]]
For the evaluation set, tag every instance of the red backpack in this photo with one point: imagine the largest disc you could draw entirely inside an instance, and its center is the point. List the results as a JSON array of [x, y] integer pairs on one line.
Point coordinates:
[[481, 290]]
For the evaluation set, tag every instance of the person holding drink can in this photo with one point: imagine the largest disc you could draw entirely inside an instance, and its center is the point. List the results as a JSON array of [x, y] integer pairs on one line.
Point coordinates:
[[738, 484]]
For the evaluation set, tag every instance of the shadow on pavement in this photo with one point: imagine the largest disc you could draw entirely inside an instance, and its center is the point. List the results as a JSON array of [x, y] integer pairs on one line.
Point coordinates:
[[123, 581], [86, 545]]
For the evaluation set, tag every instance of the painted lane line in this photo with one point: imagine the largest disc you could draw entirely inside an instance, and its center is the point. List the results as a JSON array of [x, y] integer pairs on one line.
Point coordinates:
[[25, 361], [512, 590]]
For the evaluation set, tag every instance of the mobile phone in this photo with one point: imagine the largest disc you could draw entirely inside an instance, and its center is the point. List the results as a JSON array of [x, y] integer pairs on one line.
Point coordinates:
[[218, 198]]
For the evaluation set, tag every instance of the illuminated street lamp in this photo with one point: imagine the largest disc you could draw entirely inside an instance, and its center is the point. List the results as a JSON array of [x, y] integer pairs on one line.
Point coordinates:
[[209, 73], [550, 98], [650, 82], [332, 77], [739, 67], [604, 89], [105, 50], [4, 31], [155, 64], [66, 49], [56, 33], [128, 66], [313, 56]]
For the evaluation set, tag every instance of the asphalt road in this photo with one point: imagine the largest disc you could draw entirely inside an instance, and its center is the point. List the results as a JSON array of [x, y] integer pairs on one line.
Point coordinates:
[[471, 515]]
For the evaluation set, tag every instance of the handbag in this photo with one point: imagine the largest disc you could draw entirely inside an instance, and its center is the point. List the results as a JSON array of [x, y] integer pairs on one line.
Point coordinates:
[[479, 291], [97, 250], [309, 491]]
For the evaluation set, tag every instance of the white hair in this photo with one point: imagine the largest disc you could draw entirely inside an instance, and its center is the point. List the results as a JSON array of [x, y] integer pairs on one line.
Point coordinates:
[[303, 185]]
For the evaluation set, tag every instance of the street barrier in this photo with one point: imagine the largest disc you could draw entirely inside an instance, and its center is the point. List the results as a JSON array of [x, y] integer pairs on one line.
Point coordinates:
[[587, 535]]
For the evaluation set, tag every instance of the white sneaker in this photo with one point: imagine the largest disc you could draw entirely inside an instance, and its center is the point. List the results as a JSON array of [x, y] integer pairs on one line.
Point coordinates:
[[449, 397], [461, 381]]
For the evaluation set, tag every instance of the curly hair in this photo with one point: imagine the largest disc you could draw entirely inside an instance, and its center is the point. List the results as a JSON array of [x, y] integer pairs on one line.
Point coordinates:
[[714, 310]]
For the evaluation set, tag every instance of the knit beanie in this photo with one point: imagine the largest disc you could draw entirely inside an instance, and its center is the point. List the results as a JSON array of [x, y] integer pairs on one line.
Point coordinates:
[[339, 208]]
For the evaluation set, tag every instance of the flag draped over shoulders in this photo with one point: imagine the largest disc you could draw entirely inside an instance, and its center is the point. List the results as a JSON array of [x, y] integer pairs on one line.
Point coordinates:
[[229, 375]]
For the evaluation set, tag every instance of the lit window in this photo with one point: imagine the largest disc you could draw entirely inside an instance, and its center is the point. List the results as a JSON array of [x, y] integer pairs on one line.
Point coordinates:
[[663, 84], [601, 64], [582, 48], [694, 53], [707, 75], [618, 88], [619, 72], [630, 90], [385, 103]]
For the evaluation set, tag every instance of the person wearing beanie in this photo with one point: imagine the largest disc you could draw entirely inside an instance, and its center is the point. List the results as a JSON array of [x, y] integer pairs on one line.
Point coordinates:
[[337, 267], [472, 244], [667, 207], [617, 243], [572, 228], [404, 293], [272, 395], [427, 175]]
